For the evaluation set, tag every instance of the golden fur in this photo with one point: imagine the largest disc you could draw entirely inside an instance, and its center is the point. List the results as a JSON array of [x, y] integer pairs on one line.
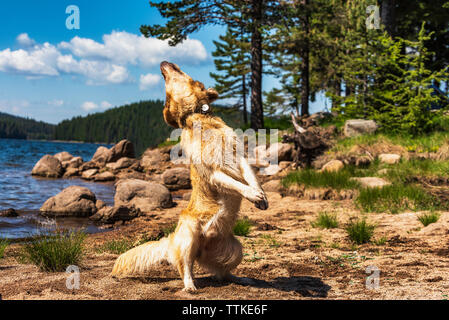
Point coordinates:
[[204, 231]]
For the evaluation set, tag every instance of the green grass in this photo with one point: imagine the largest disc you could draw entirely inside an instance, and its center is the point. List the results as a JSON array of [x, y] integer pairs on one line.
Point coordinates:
[[56, 251], [395, 198], [380, 241], [3, 244], [271, 241], [360, 231], [326, 220], [242, 227], [311, 178], [168, 230], [428, 218], [115, 246], [167, 143]]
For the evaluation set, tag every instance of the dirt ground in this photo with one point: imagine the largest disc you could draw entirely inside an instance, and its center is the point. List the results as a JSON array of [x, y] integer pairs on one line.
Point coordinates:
[[285, 258]]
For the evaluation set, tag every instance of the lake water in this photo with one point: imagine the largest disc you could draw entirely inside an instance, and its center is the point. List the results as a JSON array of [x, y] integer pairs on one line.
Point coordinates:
[[26, 194]]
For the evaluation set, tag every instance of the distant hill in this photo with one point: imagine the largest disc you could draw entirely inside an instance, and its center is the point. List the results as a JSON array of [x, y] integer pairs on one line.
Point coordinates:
[[141, 122], [13, 127]]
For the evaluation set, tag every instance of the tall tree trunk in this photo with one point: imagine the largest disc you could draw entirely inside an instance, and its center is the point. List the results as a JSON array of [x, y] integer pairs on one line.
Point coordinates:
[[256, 67], [388, 16], [245, 112], [305, 80]]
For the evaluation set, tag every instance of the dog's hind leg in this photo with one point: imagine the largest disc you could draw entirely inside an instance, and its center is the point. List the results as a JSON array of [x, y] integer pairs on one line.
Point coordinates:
[[185, 249]]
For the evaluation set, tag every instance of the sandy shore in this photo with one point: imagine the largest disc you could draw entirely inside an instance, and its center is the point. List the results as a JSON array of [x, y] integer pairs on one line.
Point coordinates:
[[285, 258]]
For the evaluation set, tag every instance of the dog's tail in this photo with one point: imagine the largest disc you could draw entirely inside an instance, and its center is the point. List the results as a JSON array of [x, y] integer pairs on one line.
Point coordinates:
[[141, 258]]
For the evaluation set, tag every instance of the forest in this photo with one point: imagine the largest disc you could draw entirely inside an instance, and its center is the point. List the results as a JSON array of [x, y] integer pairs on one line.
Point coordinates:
[[13, 127], [373, 59]]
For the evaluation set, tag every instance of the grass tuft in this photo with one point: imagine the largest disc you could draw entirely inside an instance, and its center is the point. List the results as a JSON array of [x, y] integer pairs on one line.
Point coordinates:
[[3, 244], [55, 251], [428, 218], [242, 227], [115, 246], [326, 220], [396, 198], [311, 178], [360, 231]]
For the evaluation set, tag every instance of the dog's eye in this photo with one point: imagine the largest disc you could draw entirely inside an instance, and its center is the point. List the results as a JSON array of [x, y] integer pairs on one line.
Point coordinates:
[[205, 108]]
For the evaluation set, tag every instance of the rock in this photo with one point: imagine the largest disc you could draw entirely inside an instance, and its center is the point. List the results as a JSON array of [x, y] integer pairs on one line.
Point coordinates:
[[145, 195], [389, 158], [283, 151], [89, 174], [113, 214], [9, 213], [75, 162], [124, 148], [100, 204], [177, 178], [260, 153], [272, 186], [153, 157], [73, 201], [48, 166], [122, 163], [362, 161], [285, 164], [63, 156], [272, 169], [186, 196], [71, 172], [104, 176], [371, 182], [357, 127], [102, 155], [333, 166], [89, 165]]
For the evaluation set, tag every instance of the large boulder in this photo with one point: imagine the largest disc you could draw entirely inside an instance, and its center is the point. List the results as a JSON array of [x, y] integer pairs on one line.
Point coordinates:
[[102, 155], [89, 174], [124, 148], [154, 157], [63, 156], [73, 201], [112, 214], [282, 150], [48, 166], [177, 178], [144, 195], [357, 127], [75, 162]]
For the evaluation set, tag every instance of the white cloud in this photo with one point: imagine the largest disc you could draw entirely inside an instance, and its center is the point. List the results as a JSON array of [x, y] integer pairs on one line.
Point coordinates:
[[24, 40], [99, 62], [47, 60], [127, 48], [105, 105], [90, 106], [148, 80]]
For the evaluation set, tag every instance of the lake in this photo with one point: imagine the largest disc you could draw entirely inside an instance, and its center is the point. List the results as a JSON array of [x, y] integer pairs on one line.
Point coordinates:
[[26, 194]]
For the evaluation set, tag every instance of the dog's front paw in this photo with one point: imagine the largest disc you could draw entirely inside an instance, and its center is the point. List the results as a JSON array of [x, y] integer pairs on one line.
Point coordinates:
[[258, 197], [189, 288]]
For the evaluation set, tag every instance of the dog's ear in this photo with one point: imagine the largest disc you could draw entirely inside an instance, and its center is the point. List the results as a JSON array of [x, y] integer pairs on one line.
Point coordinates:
[[212, 95], [169, 119]]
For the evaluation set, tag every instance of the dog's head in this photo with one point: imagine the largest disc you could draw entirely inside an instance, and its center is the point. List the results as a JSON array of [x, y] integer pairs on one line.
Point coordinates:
[[184, 96]]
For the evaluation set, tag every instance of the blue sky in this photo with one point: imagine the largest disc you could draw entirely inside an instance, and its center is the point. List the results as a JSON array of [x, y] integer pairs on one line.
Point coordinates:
[[51, 73]]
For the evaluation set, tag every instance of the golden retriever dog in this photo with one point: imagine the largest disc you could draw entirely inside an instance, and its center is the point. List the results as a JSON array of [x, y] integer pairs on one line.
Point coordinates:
[[220, 177]]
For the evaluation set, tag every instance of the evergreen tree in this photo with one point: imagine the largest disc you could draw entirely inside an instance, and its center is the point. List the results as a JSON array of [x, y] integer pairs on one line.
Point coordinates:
[[232, 60], [187, 16]]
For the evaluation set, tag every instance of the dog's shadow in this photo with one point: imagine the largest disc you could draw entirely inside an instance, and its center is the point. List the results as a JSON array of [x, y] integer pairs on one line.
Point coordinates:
[[306, 286]]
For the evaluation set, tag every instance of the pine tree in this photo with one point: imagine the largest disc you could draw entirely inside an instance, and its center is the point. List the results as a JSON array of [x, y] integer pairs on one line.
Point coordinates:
[[232, 60]]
